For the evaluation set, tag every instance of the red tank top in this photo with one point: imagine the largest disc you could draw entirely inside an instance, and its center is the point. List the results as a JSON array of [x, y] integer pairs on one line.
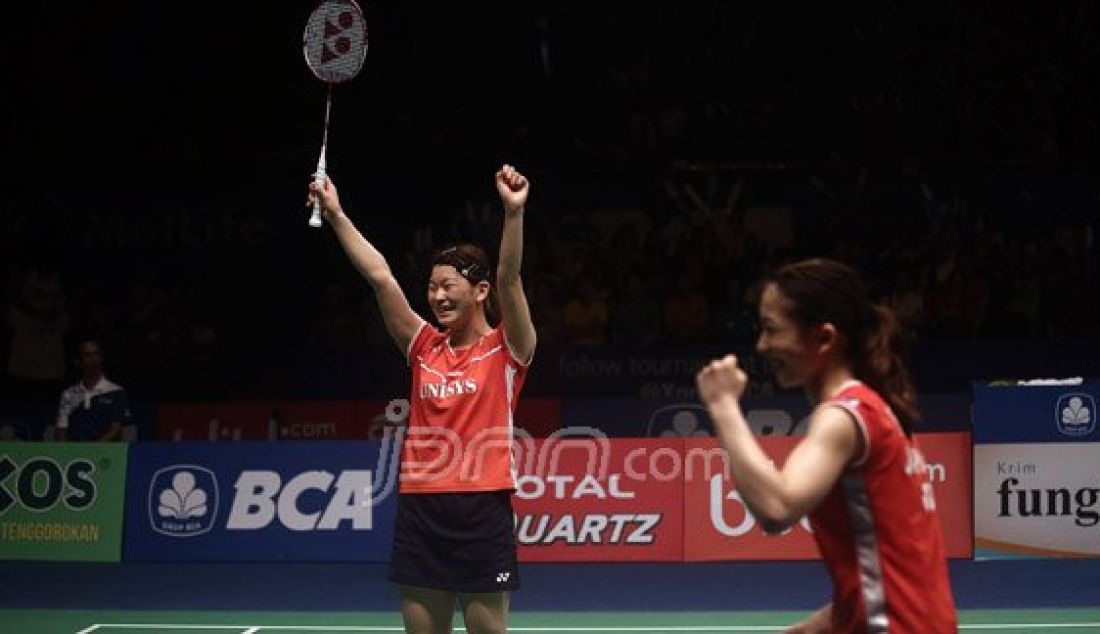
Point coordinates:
[[879, 534], [460, 423]]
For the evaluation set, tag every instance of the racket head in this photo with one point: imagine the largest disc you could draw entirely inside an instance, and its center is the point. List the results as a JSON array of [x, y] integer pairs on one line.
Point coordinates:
[[335, 40]]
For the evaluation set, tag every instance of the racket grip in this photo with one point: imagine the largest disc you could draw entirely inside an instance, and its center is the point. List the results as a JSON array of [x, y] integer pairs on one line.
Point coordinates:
[[315, 217]]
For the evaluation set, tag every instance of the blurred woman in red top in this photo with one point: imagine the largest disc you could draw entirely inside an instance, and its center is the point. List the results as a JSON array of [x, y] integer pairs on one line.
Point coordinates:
[[857, 472], [454, 537]]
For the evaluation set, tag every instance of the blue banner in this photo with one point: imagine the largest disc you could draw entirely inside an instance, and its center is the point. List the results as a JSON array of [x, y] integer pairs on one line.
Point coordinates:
[[1035, 468], [779, 415], [1008, 412], [667, 372], [286, 501], [782, 414]]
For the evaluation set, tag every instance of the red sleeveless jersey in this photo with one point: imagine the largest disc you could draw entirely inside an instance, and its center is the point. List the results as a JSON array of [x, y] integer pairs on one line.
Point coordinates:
[[460, 424], [879, 534]]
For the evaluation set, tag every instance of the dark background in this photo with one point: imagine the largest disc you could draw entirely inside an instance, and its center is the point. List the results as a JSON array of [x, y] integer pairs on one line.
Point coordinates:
[[158, 156]]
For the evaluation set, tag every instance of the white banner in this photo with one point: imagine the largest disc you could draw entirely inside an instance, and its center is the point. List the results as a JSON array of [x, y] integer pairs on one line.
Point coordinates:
[[1037, 499]]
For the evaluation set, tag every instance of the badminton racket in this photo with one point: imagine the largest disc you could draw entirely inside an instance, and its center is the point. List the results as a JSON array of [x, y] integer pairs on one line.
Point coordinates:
[[335, 46]]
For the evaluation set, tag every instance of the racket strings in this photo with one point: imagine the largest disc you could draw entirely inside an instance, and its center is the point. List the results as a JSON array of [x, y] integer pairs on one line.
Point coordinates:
[[335, 45], [335, 40]]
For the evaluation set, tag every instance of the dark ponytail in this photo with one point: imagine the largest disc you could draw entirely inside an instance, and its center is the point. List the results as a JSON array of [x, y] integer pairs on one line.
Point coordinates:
[[882, 367], [826, 291]]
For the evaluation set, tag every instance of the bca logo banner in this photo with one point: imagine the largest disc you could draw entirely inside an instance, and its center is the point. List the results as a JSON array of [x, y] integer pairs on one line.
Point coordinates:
[[261, 498], [183, 501], [300, 501], [1075, 414]]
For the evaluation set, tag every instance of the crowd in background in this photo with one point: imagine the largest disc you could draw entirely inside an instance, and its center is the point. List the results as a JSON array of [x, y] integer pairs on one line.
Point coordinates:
[[628, 277], [950, 153]]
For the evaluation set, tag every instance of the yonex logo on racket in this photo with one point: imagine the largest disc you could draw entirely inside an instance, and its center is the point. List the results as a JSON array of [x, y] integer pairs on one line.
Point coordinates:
[[335, 40], [334, 33], [335, 45]]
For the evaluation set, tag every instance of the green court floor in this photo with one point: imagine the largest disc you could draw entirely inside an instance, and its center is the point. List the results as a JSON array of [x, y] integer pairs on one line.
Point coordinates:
[[130, 622]]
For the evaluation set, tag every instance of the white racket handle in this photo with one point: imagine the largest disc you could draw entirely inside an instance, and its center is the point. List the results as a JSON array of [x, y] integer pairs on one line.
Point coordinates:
[[315, 217]]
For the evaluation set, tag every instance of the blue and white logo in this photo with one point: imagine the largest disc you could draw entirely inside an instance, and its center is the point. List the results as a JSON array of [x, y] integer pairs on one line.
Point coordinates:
[[183, 500], [680, 420], [1076, 414]]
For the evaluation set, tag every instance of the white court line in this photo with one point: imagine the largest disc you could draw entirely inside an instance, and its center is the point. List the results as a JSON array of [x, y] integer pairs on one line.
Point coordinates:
[[1043, 626], [249, 629], [255, 628], [171, 626]]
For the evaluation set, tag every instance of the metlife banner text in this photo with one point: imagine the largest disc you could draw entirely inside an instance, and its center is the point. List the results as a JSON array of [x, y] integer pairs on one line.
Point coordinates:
[[61, 501], [285, 501], [1036, 469]]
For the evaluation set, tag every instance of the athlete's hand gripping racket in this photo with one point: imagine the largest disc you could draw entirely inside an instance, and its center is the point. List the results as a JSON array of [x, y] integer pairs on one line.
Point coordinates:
[[335, 45]]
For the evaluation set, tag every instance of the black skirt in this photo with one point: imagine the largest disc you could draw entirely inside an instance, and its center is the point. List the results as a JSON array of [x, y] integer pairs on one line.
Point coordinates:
[[457, 542]]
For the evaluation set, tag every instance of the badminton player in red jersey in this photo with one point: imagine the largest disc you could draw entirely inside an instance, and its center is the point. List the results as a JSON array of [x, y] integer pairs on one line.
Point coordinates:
[[857, 472], [454, 535]]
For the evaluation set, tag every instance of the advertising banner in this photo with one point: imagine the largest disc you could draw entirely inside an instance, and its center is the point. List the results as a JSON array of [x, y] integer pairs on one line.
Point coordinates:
[[214, 422], [649, 372], [61, 501], [288, 501], [579, 498], [720, 528], [778, 415], [362, 419], [1036, 472], [718, 522], [1037, 500], [1009, 412], [272, 420], [595, 499], [950, 460]]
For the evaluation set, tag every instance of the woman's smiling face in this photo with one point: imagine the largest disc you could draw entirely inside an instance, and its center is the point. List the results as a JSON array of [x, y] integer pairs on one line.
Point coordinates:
[[783, 341], [453, 298]]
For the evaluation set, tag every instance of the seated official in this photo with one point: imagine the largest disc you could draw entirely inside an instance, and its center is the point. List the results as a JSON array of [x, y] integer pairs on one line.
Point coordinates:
[[95, 409]]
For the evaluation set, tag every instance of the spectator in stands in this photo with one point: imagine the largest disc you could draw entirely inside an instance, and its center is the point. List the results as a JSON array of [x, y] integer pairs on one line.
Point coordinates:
[[586, 314], [734, 321], [38, 318], [546, 307], [95, 408], [907, 302], [635, 316], [687, 310]]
